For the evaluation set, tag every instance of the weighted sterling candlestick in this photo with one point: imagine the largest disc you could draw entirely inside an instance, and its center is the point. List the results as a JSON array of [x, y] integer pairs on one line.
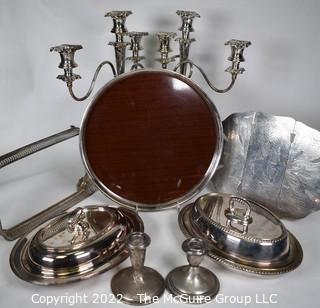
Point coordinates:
[[68, 64], [137, 284]]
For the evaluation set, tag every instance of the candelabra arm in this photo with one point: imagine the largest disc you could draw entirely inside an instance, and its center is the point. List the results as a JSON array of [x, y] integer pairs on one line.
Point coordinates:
[[233, 76], [95, 76]]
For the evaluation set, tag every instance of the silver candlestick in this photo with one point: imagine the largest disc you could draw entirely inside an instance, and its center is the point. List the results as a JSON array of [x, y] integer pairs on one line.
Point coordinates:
[[138, 284], [193, 283]]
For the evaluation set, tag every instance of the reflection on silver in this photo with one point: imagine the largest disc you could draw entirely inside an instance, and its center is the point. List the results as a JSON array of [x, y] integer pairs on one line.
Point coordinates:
[[272, 160]]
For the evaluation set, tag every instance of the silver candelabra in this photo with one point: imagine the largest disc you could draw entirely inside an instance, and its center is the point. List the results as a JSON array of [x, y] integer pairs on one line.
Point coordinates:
[[185, 65]]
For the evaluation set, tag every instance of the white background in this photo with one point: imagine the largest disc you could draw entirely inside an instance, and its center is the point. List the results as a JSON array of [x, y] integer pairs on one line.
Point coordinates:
[[281, 78]]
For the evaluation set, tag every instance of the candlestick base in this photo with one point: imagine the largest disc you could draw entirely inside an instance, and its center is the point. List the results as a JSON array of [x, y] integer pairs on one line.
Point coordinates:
[[194, 285], [138, 288]]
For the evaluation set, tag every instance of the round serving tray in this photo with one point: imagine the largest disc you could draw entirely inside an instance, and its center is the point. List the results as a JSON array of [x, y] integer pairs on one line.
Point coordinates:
[[287, 264], [151, 139], [48, 263]]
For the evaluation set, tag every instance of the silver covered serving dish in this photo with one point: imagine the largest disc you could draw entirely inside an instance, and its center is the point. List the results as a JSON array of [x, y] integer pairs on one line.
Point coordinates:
[[242, 234], [75, 245]]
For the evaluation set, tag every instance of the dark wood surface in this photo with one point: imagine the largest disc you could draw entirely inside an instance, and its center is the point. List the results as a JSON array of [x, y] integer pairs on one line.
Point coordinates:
[[150, 137]]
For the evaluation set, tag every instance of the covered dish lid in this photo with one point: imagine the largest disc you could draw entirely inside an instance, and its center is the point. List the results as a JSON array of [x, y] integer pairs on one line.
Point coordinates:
[[75, 245], [242, 233]]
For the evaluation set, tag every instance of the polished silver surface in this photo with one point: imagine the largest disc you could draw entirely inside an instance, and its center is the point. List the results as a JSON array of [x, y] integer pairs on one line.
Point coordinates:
[[272, 160], [249, 237], [193, 283], [75, 245], [138, 284], [160, 206], [85, 188]]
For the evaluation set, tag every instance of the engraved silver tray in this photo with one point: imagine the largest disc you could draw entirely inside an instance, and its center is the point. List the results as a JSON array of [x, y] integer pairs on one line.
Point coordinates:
[[272, 160]]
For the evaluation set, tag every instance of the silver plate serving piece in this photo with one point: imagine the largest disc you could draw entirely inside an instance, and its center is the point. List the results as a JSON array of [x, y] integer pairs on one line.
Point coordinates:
[[272, 160], [75, 245], [241, 234]]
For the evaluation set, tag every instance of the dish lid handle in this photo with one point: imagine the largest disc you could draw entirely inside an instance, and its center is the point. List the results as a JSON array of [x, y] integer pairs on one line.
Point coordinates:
[[78, 226], [239, 212]]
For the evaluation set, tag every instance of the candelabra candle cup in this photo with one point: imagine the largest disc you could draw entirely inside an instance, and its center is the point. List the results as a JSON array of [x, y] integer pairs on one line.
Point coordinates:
[[236, 57], [119, 20], [165, 39], [187, 18], [67, 62], [136, 38]]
